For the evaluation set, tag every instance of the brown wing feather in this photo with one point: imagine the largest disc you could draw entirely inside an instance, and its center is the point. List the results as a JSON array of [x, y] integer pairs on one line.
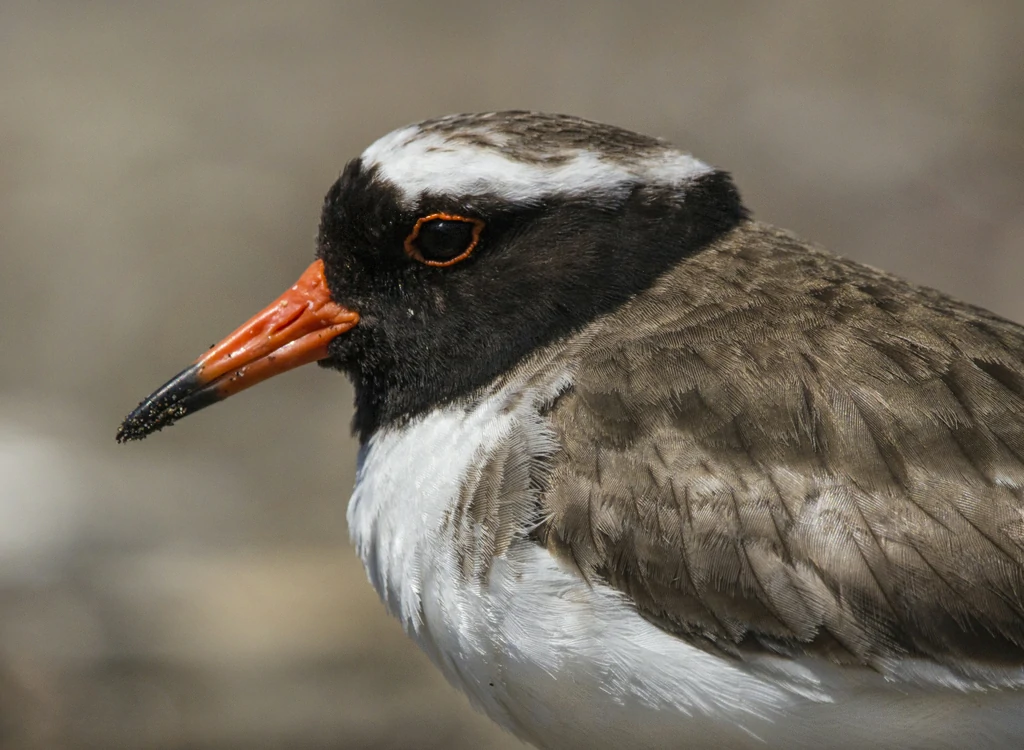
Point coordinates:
[[775, 448]]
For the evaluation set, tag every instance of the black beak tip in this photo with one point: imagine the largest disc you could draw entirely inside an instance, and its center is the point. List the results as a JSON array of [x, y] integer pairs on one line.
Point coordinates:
[[132, 428], [184, 394], [145, 420]]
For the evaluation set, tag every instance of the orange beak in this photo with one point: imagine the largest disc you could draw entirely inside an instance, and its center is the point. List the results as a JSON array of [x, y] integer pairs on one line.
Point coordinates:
[[293, 330]]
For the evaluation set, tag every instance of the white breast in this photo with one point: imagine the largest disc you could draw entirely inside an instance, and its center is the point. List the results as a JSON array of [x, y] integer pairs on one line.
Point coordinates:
[[565, 664]]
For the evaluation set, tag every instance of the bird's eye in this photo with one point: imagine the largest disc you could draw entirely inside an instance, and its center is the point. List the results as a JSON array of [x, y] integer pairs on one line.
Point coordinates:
[[443, 239]]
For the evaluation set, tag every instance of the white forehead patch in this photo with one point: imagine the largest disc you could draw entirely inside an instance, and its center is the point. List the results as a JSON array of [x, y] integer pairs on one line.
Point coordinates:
[[416, 162]]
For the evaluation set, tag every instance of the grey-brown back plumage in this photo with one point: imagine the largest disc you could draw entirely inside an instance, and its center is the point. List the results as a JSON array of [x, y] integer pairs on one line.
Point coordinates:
[[777, 449]]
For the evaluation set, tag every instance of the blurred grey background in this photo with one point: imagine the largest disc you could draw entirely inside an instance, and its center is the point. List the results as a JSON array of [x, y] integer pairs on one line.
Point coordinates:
[[161, 171]]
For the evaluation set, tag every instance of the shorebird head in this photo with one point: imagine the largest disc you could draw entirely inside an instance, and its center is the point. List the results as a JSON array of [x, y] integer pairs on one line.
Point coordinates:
[[451, 249]]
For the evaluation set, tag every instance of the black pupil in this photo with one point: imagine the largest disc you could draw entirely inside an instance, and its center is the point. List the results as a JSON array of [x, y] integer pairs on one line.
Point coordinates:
[[442, 239]]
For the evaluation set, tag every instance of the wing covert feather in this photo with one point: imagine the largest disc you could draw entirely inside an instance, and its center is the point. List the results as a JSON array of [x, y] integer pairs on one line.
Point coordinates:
[[777, 449]]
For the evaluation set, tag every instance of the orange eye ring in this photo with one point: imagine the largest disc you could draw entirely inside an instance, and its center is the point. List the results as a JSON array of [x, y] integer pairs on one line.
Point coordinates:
[[414, 253]]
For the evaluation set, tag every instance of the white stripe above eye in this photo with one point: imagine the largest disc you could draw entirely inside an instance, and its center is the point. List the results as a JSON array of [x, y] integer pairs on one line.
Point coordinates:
[[416, 162]]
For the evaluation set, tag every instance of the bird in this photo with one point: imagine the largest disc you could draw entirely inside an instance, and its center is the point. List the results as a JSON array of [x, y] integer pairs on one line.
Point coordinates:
[[638, 470]]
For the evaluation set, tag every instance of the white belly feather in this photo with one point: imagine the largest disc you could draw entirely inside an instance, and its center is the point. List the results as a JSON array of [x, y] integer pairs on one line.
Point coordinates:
[[565, 665]]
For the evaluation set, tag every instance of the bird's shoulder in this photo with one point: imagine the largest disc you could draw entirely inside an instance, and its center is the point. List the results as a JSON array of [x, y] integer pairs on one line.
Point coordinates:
[[776, 449]]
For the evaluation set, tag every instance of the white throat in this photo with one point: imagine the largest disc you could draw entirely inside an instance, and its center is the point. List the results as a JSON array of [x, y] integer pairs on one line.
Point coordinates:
[[410, 481]]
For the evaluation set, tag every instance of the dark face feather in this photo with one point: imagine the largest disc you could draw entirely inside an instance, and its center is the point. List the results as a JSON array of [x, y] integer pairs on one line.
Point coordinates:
[[430, 335]]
